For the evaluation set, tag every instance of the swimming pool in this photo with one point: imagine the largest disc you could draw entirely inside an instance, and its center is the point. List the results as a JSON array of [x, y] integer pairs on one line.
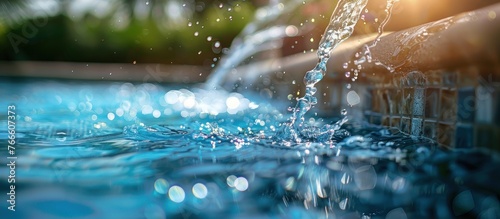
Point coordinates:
[[123, 150]]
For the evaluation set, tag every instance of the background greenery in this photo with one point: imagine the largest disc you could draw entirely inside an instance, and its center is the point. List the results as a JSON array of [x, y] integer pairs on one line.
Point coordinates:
[[177, 31], [123, 33]]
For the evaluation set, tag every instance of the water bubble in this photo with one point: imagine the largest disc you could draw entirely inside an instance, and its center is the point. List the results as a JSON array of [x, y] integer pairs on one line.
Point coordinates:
[[196, 33], [343, 203], [111, 116], [190, 102], [217, 44], [398, 213], [348, 74], [161, 186], [176, 194], [232, 102], [353, 98], [291, 30], [172, 97], [221, 5], [343, 112], [156, 113], [209, 38], [365, 177], [241, 184], [200, 190], [61, 136], [119, 112], [348, 86], [463, 203], [230, 180]]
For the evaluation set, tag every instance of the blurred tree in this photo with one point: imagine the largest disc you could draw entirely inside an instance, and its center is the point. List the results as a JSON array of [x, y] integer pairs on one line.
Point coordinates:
[[179, 32]]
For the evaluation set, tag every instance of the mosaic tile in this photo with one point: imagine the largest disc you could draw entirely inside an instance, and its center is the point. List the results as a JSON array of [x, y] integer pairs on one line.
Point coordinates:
[[396, 122], [445, 134], [406, 103], [430, 130], [405, 125], [466, 104], [432, 103], [418, 102], [448, 106], [486, 136], [416, 126], [449, 79], [464, 136]]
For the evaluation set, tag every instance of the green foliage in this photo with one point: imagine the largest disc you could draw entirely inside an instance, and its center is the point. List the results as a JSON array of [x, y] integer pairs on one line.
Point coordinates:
[[149, 40]]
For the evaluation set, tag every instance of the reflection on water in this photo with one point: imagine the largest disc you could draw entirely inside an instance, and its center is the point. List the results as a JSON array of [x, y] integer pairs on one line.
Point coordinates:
[[214, 155]]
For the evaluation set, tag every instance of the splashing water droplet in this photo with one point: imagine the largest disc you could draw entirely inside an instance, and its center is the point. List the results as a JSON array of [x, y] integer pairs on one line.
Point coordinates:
[[343, 112], [341, 26]]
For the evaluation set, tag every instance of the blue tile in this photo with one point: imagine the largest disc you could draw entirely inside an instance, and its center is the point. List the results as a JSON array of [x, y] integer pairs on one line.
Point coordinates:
[[430, 130], [418, 102], [416, 126], [466, 104], [448, 105], [432, 103], [464, 136]]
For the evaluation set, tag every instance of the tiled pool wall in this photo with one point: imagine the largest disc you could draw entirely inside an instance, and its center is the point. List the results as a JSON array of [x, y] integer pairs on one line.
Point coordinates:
[[458, 108]]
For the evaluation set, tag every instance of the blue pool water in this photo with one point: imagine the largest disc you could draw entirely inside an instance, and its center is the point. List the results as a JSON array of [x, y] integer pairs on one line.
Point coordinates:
[[123, 150]]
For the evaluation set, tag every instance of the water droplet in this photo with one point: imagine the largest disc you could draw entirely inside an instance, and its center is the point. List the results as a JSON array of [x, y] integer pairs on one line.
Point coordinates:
[[343, 112], [200, 190], [111, 116], [241, 184], [230, 180], [176, 194], [353, 98], [161, 186]]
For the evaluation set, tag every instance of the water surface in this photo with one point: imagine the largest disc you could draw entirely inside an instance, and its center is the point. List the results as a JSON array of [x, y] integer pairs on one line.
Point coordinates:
[[122, 150]]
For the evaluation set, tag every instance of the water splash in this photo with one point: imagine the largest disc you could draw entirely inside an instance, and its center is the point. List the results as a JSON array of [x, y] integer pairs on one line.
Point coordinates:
[[341, 26], [365, 55], [255, 37]]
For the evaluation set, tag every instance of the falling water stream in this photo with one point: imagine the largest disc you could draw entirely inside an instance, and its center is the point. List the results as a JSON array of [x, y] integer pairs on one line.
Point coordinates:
[[257, 36], [341, 26]]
